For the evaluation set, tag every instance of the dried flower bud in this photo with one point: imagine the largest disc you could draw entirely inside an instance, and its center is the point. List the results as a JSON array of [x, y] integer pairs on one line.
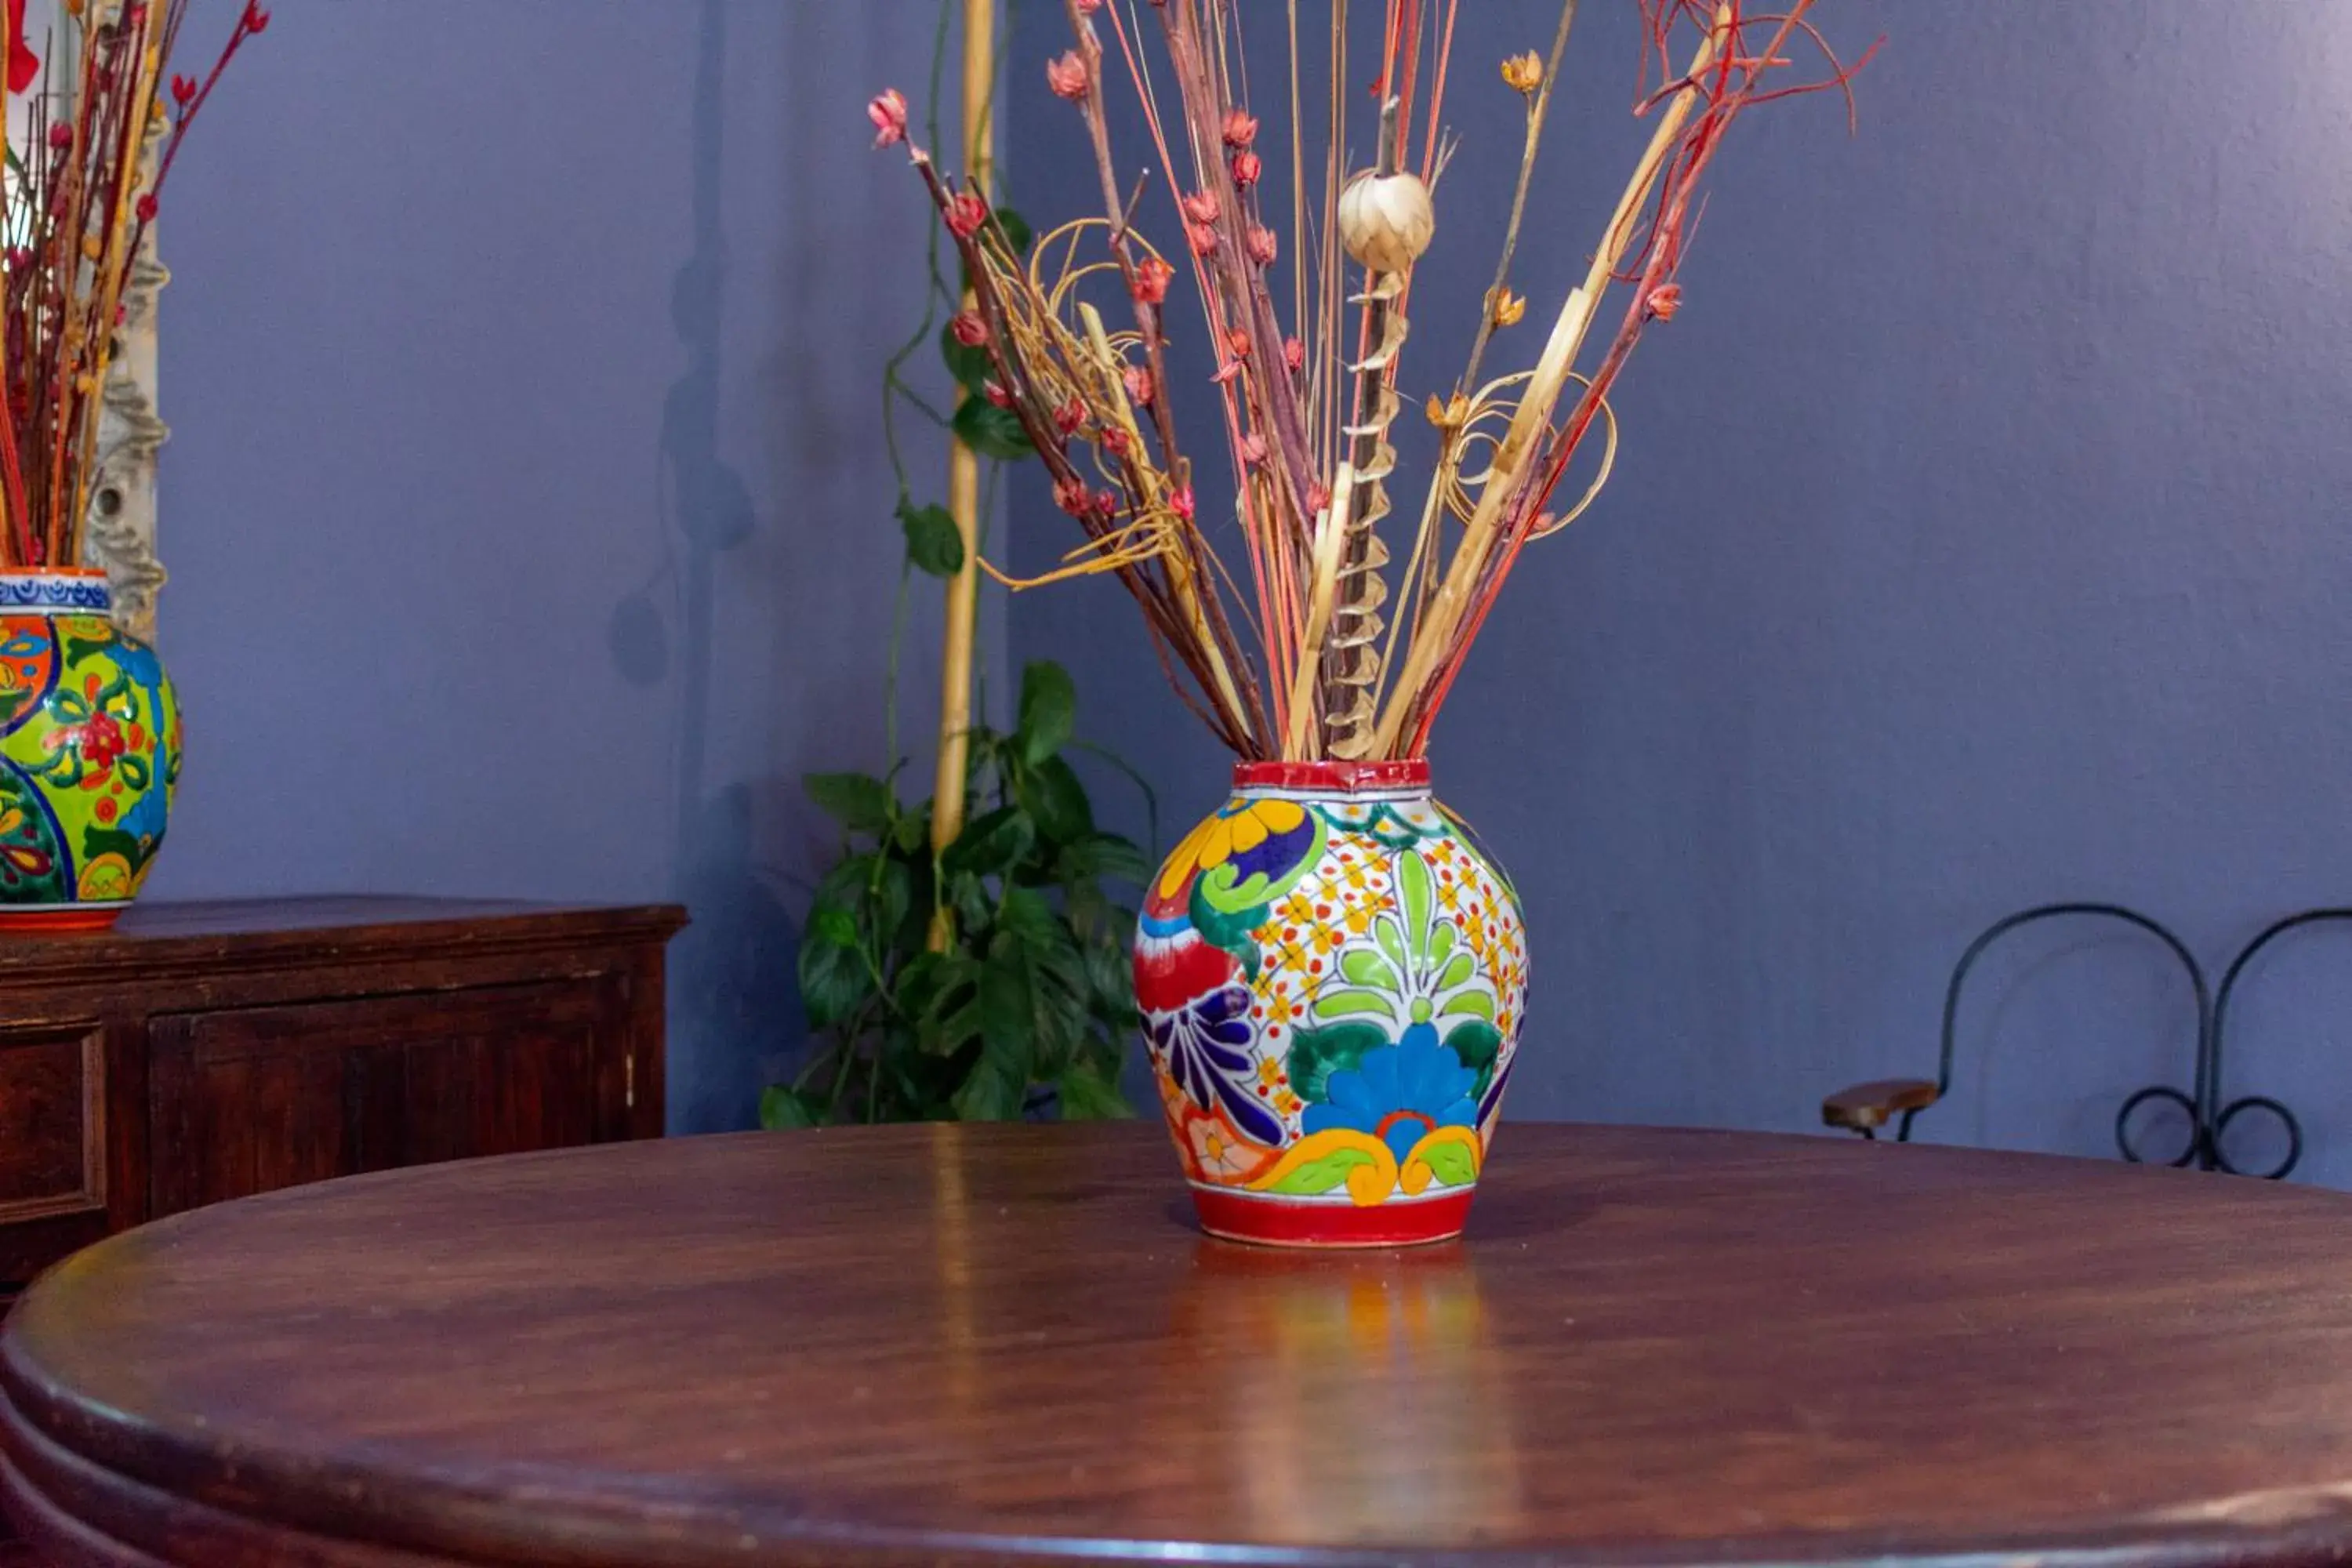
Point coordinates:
[[969, 328], [1523, 73], [1115, 441], [1070, 418], [1318, 496], [1199, 207], [887, 109], [1665, 301], [1088, 7], [1261, 248], [255, 19], [1241, 127], [1505, 308], [1107, 503], [1254, 448], [1202, 237], [1386, 221], [1293, 354], [1448, 416], [1180, 503], [1072, 497], [965, 215], [995, 393], [1137, 382], [145, 206], [1238, 343], [1153, 277], [1247, 168], [61, 135], [1067, 77], [183, 87]]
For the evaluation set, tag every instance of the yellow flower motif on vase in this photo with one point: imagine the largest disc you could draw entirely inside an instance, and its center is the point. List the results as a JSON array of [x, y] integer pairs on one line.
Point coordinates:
[[1231, 832]]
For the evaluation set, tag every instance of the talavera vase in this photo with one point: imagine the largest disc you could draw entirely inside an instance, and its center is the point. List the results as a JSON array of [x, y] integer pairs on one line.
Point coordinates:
[[1332, 978], [89, 752]]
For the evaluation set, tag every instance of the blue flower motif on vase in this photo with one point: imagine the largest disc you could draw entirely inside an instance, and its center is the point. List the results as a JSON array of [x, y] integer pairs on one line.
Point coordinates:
[[1400, 1093]]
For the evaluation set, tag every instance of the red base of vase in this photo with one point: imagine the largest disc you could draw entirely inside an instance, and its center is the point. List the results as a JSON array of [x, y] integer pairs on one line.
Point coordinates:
[[1283, 1222], [60, 919]]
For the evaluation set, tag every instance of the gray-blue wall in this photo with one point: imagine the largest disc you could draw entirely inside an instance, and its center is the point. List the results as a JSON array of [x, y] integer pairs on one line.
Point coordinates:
[[528, 530], [1977, 540]]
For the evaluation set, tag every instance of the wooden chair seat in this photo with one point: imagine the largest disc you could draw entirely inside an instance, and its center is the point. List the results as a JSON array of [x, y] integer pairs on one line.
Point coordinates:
[[1867, 1107]]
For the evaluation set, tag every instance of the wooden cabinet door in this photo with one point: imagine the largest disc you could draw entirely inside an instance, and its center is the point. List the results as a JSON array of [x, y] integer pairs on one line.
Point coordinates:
[[249, 1100]]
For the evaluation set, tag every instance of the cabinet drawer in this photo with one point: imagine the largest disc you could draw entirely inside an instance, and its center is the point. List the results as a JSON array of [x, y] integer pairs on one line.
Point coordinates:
[[52, 1122], [250, 1100]]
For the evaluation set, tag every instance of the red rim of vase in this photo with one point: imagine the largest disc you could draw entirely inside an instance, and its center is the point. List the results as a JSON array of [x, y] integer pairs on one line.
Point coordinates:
[[83, 571], [1403, 772], [1265, 1221]]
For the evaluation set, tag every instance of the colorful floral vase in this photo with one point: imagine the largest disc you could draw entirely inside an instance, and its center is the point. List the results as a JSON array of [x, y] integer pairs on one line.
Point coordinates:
[[90, 751], [1331, 978]]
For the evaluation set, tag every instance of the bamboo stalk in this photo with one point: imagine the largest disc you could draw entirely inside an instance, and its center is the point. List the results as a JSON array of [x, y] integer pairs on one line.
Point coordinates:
[[948, 779]]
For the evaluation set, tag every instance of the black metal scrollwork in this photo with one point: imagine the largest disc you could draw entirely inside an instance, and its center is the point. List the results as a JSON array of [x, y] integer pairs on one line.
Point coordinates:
[[2214, 1118], [2008, 923]]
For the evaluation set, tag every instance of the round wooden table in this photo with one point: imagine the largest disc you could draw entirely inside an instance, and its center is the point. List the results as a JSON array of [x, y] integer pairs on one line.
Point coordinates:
[[951, 1345]]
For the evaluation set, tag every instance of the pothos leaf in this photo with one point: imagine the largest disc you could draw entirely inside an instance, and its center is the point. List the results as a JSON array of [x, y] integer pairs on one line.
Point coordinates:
[[934, 543], [1049, 704], [991, 431]]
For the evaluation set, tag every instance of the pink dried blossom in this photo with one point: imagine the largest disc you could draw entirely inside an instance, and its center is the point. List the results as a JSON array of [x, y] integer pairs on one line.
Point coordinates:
[[1138, 385], [1071, 496], [1247, 167], [1070, 416], [965, 215], [887, 109], [1318, 496], [995, 393], [1665, 301], [1293, 354], [1067, 77], [1115, 441], [969, 328], [61, 135], [1201, 207], [1151, 279], [1254, 448], [1106, 502], [1241, 127], [1180, 503], [1202, 237], [1261, 245]]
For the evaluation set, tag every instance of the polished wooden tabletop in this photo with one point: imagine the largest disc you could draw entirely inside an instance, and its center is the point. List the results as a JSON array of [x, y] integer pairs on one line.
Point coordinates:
[[992, 1344]]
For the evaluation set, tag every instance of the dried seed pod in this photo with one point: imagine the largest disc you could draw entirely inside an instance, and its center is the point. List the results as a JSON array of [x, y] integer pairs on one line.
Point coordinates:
[[1386, 221]]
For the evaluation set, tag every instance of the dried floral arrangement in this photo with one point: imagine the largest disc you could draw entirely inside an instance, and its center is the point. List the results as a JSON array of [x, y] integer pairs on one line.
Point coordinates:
[[1330, 651], [100, 137]]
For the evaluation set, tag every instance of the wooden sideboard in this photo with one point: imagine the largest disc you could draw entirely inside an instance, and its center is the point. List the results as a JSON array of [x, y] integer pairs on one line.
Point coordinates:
[[207, 1051]]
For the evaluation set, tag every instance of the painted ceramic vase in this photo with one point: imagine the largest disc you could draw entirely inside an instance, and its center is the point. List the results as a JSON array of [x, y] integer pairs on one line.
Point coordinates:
[[90, 751], [1331, 978]]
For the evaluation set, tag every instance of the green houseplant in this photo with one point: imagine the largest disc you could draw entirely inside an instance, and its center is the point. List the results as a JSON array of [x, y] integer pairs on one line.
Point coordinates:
[[1031, 1005]]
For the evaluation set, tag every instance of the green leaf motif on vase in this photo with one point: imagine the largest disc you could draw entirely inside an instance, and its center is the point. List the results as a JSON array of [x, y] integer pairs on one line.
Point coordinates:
[[1417, 969], [1316, 1053], [1321, 1175]]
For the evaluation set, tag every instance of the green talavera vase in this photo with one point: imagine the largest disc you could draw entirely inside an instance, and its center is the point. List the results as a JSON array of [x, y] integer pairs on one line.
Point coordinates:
[[89, 753]]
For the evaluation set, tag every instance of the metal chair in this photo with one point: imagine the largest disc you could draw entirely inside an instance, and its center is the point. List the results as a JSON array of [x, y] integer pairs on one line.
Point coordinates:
[[1866, 1107], [2213, 1120]]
